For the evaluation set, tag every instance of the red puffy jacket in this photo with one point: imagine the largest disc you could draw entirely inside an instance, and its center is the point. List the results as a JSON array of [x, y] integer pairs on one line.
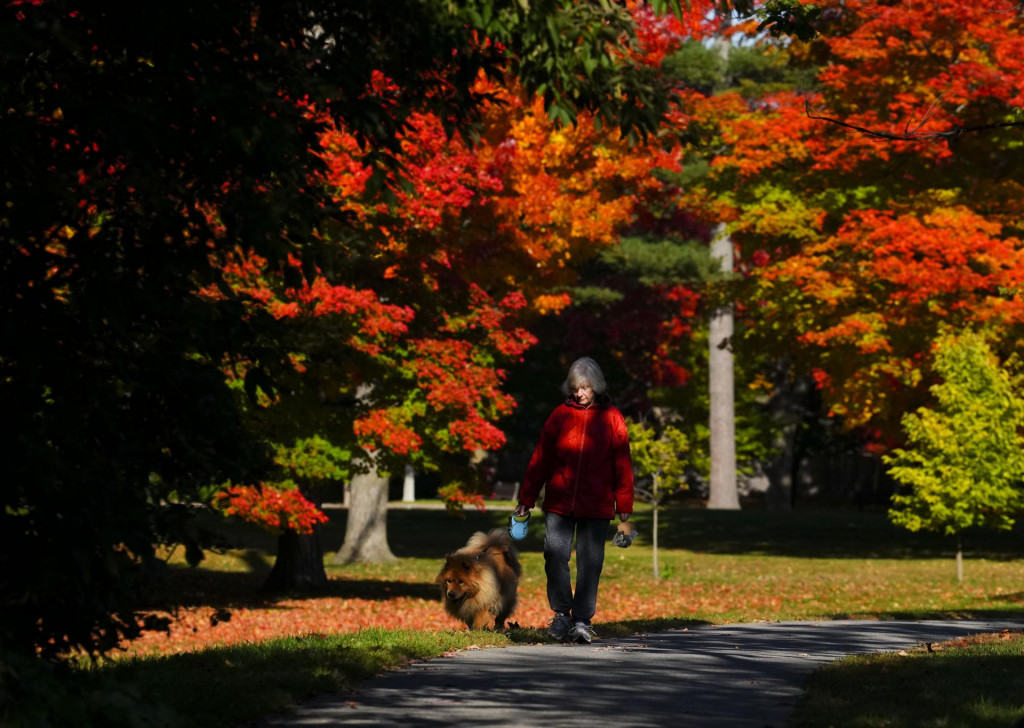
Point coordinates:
[[583, 460]]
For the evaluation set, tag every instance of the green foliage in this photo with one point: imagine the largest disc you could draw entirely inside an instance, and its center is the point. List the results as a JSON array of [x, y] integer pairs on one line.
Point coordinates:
[[695, 65], [595, 296], [783, 213], [660, 456], [571, 54], [653, 262], [751, 70], [789, 17], [312, 460], [963, 465]]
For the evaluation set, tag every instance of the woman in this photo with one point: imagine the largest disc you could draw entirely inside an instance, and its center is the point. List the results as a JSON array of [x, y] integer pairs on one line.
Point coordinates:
[[582, 461]]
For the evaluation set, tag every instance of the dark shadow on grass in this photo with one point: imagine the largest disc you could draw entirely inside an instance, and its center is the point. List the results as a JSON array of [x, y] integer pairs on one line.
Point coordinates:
[[936, 689], [191, 587], [807, 533], [1010, 614], [216, 687], [430, 533], [819, 534], [1017, 598]]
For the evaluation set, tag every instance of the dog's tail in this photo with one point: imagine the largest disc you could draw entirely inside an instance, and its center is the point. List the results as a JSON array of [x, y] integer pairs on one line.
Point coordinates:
[[497, 541]]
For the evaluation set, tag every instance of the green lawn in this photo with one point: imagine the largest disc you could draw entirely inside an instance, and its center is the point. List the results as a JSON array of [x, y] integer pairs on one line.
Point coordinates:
[[976, 683]]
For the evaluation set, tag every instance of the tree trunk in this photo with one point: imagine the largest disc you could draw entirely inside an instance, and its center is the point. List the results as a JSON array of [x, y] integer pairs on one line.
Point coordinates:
[[724, 493], [300, 559], [657, 571], [366, 533], [299, 563], [409, 485], [959, 559]]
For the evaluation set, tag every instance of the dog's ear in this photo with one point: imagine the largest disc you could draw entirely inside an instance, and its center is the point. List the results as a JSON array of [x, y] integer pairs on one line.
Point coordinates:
[[467, 566]]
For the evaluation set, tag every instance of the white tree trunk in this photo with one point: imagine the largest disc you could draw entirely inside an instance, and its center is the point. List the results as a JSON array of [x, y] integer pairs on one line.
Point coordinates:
[[657, 569], [409, 485], [959, 559], [723, 489]]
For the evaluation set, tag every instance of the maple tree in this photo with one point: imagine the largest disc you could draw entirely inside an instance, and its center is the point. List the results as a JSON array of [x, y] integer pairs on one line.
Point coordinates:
[[662, 267], [421, 376], [148, 149], [854, 250]]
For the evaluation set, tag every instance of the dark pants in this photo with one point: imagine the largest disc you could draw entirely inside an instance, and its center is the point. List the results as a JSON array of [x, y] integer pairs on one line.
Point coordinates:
[[590, 537]]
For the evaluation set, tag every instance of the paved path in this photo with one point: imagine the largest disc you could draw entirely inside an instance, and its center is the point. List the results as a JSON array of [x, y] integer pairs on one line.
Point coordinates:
[[733, 676]]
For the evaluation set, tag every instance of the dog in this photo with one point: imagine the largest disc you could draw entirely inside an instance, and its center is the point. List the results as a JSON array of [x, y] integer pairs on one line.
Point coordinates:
[[480, 582]]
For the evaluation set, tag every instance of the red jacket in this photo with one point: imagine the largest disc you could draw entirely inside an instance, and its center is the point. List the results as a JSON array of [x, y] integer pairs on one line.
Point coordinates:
[[583, 459]]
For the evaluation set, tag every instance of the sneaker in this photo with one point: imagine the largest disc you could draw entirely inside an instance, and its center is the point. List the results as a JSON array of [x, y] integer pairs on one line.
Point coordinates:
[[560, 626], [582, 633], [517, 526]]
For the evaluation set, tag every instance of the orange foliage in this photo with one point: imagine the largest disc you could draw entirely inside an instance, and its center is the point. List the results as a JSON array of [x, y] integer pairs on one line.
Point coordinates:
[[432, 318], [858, 248]]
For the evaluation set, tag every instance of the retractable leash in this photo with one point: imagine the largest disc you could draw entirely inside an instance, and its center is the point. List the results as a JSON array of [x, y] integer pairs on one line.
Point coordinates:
[[517, 526], [624, 534]]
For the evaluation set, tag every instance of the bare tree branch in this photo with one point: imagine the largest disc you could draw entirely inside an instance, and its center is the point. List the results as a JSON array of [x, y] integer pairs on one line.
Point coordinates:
[[950, 134]]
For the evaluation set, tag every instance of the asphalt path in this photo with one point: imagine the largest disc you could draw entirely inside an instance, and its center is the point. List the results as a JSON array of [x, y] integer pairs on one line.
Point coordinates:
[[732, 676]]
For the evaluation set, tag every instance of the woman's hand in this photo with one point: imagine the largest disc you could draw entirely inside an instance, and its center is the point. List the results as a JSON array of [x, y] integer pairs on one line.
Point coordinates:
[[623, 516], [521, 510]]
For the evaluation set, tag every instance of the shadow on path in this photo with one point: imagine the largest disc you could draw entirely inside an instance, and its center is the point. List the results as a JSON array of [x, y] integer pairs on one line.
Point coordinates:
[[734, 676]]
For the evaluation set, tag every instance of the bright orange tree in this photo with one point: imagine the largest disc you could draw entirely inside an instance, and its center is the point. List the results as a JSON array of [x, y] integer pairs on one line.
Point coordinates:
[[475, 242], [639, 268], [884, 204]]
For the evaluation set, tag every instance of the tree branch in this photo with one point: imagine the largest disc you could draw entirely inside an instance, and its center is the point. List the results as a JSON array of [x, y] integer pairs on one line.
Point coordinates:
[[955, 132]]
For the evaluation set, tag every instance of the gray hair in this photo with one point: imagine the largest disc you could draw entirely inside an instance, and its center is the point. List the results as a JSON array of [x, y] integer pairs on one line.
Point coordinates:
[[584, 371]]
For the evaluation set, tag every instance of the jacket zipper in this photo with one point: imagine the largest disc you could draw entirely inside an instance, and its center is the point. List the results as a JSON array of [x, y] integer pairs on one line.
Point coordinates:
[[579, 463]]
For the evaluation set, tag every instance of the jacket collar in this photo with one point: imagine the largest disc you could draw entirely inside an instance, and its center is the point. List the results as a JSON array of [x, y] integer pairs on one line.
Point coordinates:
[[601, 401]]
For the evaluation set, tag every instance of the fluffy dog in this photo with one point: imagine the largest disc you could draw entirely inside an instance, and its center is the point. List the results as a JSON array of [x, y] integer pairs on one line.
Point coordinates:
[[480, 582]]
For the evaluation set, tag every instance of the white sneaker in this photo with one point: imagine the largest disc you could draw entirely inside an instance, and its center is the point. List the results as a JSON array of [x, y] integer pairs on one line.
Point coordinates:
[[582, 633]]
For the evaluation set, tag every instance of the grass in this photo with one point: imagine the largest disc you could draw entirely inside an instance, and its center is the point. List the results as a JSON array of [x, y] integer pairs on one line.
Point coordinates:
[[244, 683], [972, 683], [717, 567]]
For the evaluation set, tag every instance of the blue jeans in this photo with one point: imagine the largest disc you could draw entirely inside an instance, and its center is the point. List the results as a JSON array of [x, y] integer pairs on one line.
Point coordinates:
[[590, 536]]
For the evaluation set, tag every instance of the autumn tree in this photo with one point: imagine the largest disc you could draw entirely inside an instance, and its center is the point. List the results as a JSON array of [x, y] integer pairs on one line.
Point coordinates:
[[853, 250], [528, 193], [662, 266], [711, 73], [289, 507], [869, 245], [144, 148], [963, 464]]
